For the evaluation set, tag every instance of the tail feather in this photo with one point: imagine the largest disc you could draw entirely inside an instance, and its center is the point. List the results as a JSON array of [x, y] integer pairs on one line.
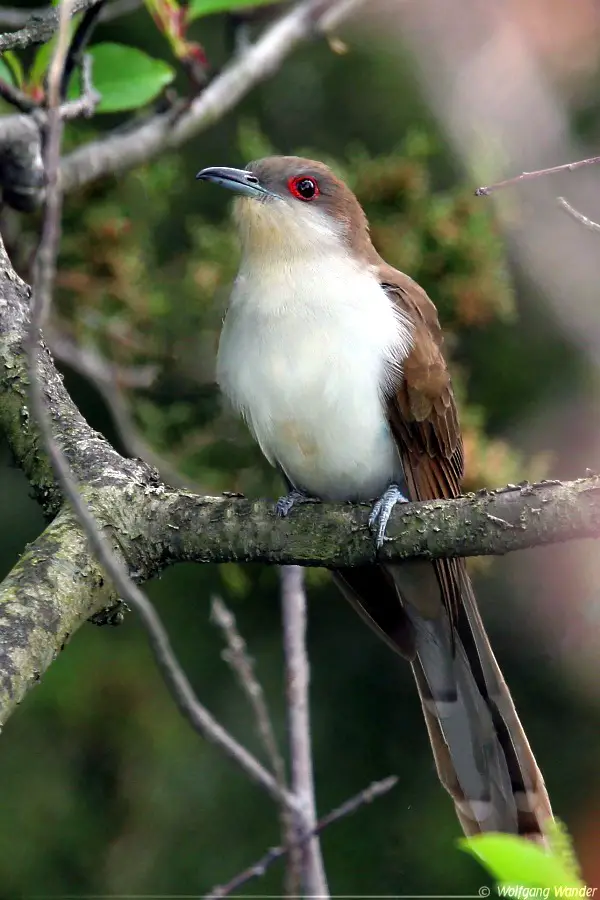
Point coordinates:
[[529, 791], [481, 752], [469, 760]]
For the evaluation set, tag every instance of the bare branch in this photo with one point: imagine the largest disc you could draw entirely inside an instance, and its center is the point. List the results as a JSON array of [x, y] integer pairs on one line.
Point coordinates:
[[121, 151], [242, 664], [41, 25], [14, 17], [539, 173], [293, 607], [44, 269], [589, 223], [43, 599], [75, 56], [258, 869], [86, 104]]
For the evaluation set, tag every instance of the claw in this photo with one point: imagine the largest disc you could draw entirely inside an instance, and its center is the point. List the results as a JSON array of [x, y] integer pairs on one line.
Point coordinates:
[[284, 504], [382, 511]]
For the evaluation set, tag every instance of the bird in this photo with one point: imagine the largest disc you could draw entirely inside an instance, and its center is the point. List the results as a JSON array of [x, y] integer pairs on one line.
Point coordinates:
[[335, 361]]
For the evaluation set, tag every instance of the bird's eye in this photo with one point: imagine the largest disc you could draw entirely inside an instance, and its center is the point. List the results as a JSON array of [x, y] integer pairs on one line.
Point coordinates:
[[303, 188]]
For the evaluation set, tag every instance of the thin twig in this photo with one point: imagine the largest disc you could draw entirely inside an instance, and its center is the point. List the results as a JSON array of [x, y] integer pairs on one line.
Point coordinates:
[[242, 664], [80, 40], [86, 104], [45, 260], [44, 271], [539, 173], [293, 606], [258, 869], [589, 223]]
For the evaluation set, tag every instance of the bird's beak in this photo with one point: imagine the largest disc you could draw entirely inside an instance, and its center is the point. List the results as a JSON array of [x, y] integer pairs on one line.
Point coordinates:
[[238, 180]]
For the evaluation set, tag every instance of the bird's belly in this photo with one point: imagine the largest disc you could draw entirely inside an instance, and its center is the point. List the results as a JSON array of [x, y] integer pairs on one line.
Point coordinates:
[[330, 457], [315, 411]]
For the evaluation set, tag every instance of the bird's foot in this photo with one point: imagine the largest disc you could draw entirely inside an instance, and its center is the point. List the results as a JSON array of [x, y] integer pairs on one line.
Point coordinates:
[[382, 511], [284, 504]]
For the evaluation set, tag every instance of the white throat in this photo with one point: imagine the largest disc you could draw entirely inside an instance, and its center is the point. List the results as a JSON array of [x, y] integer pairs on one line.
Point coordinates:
[[308, 344]]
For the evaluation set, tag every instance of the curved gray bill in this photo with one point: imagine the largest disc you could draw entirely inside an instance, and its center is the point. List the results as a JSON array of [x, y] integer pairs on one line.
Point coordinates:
[[238, 180]]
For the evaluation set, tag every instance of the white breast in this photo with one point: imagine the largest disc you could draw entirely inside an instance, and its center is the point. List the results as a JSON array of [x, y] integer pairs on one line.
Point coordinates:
[[304, 353]]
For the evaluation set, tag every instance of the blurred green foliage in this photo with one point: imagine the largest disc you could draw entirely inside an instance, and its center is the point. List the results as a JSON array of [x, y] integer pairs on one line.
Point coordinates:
[[105, 790]]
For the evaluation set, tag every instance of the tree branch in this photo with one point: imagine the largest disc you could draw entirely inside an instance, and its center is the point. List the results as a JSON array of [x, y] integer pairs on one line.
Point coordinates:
[[486, 190], [243, 666], [52, 590], [258, 869], [293, 607], [75, 55], [40, 26], [578, 216]]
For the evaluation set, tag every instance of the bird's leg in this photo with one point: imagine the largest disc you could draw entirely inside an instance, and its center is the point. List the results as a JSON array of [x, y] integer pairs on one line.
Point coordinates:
[[284, 504], [382, 511]]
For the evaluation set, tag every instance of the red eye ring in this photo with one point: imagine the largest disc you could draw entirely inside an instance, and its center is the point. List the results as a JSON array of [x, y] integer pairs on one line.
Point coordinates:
[[303, 187]]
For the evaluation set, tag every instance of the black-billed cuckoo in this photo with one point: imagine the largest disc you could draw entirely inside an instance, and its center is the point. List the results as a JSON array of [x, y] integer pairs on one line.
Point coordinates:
[[334, 360]]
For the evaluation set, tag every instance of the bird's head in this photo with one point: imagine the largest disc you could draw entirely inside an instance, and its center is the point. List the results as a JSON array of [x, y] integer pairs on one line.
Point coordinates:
[[288, 206]]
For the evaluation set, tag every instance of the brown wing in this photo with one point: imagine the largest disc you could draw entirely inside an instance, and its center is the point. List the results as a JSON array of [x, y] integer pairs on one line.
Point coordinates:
[[423, 417], [427, 611]]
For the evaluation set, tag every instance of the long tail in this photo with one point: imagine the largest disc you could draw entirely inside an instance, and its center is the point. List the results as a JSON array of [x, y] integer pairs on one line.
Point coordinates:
[[480, 749]]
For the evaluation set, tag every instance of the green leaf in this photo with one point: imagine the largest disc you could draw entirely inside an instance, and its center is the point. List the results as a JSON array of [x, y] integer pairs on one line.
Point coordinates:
[[11, 61], [125, 77], [517, 861], [6, 72], [198, 8], [41, 62]]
